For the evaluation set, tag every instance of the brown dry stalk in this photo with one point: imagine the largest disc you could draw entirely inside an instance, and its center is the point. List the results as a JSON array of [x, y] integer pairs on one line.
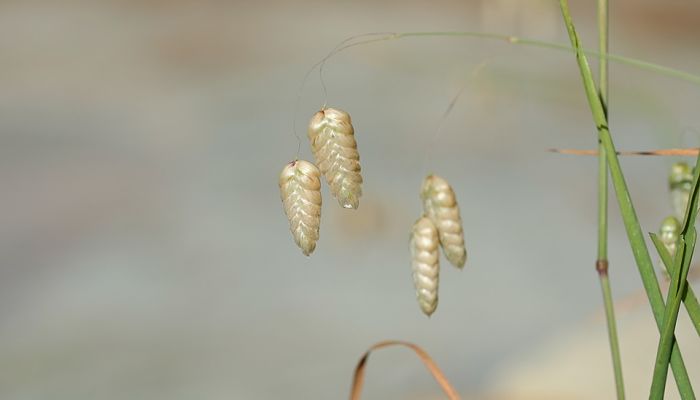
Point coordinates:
[[692, 152], [359, 376]]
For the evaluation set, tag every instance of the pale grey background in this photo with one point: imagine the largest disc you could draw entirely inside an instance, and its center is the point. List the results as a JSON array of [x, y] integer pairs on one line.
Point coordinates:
[[143, 250]]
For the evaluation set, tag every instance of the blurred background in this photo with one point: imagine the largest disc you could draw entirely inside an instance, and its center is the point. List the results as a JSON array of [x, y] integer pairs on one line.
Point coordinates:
[[144, 253]]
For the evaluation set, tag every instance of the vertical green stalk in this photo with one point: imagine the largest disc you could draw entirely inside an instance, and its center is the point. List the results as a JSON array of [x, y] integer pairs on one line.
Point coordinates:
[[673, 304], [603, 23], [602, 261], [612, 335], [629, 215], [691, 302], [602, 164]]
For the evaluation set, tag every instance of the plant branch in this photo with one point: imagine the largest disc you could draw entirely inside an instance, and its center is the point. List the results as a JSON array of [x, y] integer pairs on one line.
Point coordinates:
[[387, 36], [602, 262]]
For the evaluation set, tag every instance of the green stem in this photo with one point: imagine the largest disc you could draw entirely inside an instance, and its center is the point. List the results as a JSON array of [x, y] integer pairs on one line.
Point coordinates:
[[612, 335], [603, 23], [602, 262], [602, 165], [602, 202], [629, 215], [673, 304], [689, 299]]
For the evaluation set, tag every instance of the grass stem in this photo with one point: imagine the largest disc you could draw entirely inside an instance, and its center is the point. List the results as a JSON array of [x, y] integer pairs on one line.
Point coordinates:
[[689, 298], [602, 263]]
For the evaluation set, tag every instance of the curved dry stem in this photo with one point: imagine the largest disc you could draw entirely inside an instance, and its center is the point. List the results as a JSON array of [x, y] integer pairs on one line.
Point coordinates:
[[359, 376]]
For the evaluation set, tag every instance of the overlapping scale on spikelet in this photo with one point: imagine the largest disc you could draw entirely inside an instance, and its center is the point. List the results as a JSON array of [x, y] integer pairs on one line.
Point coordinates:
[[440, 205], [425, 262], [300, 189], [335, 149]]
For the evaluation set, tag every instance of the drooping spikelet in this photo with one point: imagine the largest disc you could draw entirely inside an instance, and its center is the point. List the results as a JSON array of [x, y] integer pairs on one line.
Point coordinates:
[[669, 232], [335, 149], [300, 189], [440, 205], [680, 182], [425, 263]]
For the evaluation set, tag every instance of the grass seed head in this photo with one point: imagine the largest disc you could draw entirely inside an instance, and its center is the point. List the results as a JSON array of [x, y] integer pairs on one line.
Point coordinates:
[[440, 205], [425, 262], [333, 143], [669, 233], [680, 182], [300, 189]]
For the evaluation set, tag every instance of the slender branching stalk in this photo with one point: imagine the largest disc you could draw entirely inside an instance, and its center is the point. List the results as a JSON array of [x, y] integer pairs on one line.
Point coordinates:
[[629, 215], [388, 36], [602, 263]]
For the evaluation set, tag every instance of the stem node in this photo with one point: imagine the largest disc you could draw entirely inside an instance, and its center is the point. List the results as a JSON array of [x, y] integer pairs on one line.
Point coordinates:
[[602, 267]]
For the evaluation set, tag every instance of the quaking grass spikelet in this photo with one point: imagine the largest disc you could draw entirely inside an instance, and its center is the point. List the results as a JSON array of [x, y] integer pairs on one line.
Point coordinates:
[[440, 205], [425, 261], [680, 182], [335, 149], [669, 232], [300, 189]]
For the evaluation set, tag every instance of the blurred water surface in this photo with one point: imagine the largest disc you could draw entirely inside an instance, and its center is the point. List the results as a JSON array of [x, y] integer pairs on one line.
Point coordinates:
[[144, 252]]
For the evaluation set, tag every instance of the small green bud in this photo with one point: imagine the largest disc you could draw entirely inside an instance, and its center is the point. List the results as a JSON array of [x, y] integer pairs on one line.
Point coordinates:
[[680, 181], [669, 233], [681, 176]]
